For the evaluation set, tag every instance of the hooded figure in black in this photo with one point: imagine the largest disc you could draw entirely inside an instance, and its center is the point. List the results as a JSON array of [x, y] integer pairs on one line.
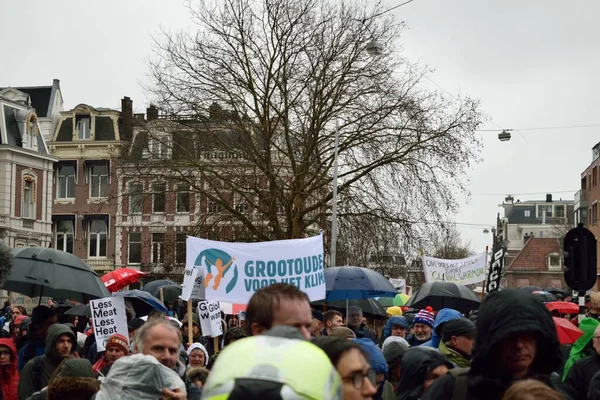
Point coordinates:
[[505, 318], [417, 365]]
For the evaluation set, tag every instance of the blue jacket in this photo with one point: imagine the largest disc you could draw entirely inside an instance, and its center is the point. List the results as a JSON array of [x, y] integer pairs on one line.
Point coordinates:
[[445, 315], [376, 360], [30, 350], [395, 320]]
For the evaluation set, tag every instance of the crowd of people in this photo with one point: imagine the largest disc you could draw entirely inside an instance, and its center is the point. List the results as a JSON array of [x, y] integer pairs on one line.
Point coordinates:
[[283, 349]]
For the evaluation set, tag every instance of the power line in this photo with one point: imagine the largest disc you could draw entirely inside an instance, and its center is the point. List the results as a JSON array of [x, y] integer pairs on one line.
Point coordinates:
[[525, 194], [544, 128], [390, 9]]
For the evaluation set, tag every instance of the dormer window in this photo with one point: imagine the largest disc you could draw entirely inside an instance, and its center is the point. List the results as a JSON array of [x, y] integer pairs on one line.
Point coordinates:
[[83, 128], [554, 262]]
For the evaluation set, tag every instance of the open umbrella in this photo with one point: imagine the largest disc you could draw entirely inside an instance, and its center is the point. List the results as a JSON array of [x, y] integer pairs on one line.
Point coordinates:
[[81, 310], [567, 332], [563, 307], [39, 271], [168, 293], [368, 306], [152, 287], [119, 278], [356, 283], [444, 295], [530, 289], [399, 300], [143, 302], [544, 296], [557, 291]]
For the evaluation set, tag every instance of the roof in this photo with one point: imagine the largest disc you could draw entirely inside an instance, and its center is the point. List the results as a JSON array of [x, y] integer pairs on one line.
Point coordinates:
[[40, 98], [516, 213], [104, 129], [533, 255]]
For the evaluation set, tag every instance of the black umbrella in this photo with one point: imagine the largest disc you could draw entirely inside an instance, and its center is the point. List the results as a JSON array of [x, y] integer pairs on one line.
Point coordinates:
[[530, 289], [555, 291], [152, 287], [444, 295], [170, 290], [39, 271], [544, 296], [368, 306], [80, 310]]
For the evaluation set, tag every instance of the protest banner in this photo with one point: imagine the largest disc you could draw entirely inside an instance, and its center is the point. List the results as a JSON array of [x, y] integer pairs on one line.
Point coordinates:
[[234, 271], [28, 302], [210, 318], [399, 284], [193, 280], [108, 318], [464, 271]]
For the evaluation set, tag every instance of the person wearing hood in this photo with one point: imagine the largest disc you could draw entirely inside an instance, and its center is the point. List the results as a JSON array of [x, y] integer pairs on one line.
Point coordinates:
[[441, 319], [42, 317], [60, 343], [198, 355], [457, 341], [385, 390], [16, 327], [72, 379], [116, 347], [196, 336], [396, 326], [24, 334], [583, 346], [516, 339], [422, 327], [393, 354], [160, 339], [9, 374], [420, 366], [583, 370]]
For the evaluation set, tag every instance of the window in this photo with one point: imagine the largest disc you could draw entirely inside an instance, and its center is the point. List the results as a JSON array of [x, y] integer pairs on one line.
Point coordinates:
[[554, 260], [594, 214], [99, 180], [158, 248], [522, 282], [30, 136], [136, 198], [180, 248], [527, 213], [97, 241], [66, 182], [546, 208], [183, 198], [559, 211], [64, 236], [214, 207], [135, 247], [28, 205], [242, 207], [83, 128], [159, 197]]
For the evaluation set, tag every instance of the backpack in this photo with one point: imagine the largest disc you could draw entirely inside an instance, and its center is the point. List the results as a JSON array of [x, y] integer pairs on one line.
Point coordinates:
[[461, 381]]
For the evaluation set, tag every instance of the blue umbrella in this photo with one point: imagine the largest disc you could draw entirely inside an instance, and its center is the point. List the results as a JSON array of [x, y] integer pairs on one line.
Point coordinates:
[[143, 302], [356, 283]]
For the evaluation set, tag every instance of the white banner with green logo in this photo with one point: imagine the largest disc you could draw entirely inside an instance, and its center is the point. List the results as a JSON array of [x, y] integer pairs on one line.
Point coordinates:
[[234, 271]]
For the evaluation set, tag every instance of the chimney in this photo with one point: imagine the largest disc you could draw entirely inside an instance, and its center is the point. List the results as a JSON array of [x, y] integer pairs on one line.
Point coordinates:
[[152, 112], [127, 118], [549, 198]]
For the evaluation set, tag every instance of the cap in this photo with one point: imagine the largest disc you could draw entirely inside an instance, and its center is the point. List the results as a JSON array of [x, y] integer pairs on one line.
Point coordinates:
[[458, 327], [343, 333]]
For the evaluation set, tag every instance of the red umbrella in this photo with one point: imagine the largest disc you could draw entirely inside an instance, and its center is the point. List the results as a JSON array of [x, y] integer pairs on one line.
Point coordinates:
[[563, 307], [119, 278], [567, 332]]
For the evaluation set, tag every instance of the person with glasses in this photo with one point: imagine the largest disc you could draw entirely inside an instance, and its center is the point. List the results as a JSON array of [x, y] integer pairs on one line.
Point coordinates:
[[581, 373], [351, 362]]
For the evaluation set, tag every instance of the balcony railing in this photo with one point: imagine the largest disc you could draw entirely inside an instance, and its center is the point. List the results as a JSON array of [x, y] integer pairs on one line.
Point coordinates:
[[580, 195], [28, 223], [100, 264]]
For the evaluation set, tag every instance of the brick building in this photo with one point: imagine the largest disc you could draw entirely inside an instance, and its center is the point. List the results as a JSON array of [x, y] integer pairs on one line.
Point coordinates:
[[589, 197], [539, 263]]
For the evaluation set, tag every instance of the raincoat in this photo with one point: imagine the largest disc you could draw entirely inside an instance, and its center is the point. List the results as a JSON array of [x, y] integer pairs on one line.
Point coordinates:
[[9, 374], [502, 314], [445, 315], [416, 364], [580, 347], [395, 320], [139, 377]]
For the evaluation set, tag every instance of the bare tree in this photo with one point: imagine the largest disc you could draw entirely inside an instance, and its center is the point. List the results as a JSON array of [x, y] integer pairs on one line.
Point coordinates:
[[448, 244], [250, 104]]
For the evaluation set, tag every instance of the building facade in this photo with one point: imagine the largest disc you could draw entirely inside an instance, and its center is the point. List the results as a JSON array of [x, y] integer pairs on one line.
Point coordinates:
[[87, 141], [25, 173], [589, 196], [539, 263]]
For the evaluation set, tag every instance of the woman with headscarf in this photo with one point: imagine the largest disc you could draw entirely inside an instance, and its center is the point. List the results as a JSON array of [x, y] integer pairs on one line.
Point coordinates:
[[198, 355], [9, 374]]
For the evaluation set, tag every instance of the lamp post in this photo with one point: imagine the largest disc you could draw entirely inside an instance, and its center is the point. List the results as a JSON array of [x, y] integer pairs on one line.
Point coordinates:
[[334, 197]]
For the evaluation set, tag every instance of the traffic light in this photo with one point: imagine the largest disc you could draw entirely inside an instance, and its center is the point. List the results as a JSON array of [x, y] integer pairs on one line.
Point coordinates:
[[580, 254]]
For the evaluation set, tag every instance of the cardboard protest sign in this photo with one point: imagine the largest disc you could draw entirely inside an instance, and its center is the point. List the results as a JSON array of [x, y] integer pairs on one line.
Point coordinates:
[[464, 271], [210, 318], [193, 280], [108, 318], [234, 271], [399, 284]]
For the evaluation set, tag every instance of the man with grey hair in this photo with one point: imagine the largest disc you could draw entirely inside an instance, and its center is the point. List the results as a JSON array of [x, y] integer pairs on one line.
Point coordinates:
[[356, 324], [160, 339]]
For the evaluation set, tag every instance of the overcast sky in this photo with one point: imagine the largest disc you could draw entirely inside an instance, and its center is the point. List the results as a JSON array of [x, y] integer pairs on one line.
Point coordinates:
[[533, 64]]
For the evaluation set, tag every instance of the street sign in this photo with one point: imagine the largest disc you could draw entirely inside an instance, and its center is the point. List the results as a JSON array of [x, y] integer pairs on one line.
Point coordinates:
[[580, 254]]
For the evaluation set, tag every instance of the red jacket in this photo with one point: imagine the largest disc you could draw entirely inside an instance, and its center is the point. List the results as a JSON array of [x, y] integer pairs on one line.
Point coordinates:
[[9, 374]]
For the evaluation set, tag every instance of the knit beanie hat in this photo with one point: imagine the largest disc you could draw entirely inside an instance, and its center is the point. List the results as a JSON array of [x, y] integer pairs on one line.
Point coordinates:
[[393, 352], [458, 327], [424, 317], [118, 340]]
